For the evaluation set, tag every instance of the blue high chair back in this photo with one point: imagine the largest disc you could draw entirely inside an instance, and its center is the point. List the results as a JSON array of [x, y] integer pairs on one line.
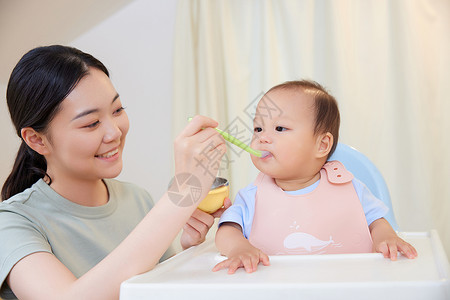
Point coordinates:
[[364, 170]]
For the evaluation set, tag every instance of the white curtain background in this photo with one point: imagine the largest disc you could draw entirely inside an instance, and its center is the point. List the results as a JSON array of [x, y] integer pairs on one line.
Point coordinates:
[[387, 62]]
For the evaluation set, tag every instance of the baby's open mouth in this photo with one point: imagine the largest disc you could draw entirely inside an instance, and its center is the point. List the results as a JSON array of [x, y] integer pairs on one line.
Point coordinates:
[[265, 154]]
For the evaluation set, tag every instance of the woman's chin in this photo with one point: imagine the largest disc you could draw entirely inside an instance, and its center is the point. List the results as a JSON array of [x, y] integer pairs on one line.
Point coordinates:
[[113, 173]]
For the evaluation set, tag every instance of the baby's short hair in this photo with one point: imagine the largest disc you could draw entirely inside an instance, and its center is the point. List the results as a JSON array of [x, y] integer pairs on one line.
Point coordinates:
[[327, 118]]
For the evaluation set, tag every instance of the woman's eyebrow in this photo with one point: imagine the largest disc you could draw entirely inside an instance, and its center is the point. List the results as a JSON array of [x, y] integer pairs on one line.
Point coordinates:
[[115, 97], [94, 110], [85, 113]]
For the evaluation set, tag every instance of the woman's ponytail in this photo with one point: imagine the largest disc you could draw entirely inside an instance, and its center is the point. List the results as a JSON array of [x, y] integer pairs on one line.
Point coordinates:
[[28, 168]]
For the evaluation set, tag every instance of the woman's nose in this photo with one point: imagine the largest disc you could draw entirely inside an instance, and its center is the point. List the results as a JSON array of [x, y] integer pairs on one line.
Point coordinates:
[[112, 132]]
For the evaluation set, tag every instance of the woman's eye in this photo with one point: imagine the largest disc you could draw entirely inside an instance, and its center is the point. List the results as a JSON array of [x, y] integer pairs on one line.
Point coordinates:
[[280, 128], [257, 129], [119, 110], [93, 125]]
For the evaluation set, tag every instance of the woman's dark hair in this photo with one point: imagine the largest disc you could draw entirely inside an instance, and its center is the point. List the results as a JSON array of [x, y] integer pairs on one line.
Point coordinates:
[[40, 81], [327, 117]]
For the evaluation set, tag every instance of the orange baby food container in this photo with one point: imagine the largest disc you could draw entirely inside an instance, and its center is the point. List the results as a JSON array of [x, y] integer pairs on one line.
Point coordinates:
[[214, 200]]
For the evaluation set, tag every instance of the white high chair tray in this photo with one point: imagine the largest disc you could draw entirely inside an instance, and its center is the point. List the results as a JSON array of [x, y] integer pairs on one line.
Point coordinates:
[[188, 275]]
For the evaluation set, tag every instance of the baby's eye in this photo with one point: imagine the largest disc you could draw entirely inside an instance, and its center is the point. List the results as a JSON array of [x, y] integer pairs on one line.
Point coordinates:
[[257, 129], [280, 128]]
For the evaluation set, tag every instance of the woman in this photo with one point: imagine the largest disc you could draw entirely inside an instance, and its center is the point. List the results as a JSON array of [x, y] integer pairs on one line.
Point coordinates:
[[68, 229]]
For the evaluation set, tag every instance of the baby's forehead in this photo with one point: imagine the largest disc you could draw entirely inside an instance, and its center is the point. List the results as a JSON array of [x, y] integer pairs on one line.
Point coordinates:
[[285, 105], [282, 100], [297, 92]]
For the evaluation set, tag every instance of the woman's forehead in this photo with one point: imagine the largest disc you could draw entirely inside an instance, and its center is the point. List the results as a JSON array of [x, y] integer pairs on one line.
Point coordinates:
[[93, 90]]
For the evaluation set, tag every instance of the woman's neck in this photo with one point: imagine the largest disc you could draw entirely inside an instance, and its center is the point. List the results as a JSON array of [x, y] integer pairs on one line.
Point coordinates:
[[83, 192]]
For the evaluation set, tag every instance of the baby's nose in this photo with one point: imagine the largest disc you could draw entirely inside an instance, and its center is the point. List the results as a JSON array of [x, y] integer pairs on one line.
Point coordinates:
[[265, 138]]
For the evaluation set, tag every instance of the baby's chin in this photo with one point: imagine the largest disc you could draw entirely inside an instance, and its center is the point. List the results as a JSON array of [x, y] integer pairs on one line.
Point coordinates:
[[265, 169]]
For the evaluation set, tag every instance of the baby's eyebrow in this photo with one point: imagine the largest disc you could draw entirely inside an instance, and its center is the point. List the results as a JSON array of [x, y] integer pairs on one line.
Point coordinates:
[[258, 119]]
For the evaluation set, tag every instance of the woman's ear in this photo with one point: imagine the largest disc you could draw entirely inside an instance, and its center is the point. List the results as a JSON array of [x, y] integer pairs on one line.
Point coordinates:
[[34, 140], [324, 144]]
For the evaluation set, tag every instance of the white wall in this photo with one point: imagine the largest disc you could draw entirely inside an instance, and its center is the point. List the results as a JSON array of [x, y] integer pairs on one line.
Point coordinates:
[[135, 43]]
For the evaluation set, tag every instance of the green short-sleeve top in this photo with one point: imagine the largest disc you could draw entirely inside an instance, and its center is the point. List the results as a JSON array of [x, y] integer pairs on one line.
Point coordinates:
[[39, 219]]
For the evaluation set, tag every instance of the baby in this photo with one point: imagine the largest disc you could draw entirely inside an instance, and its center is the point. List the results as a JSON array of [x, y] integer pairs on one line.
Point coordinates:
[[300, 203]]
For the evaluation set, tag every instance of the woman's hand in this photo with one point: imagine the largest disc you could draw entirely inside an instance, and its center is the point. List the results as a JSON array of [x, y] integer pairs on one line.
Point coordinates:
[[198, 152], [226, 203], [198, 225]]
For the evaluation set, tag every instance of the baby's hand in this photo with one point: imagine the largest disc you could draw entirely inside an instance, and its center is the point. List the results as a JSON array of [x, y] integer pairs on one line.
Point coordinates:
[[248, 258], [386, 240], [391, 245]]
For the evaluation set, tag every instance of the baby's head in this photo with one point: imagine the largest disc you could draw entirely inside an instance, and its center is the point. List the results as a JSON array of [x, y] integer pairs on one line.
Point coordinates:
[[298, 123], [326, 111]]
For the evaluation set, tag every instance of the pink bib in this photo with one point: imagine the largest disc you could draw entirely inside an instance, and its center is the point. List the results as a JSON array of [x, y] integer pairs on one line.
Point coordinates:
[[330, 219]]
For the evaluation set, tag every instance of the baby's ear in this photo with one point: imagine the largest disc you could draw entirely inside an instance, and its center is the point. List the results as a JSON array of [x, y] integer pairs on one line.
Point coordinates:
[[324, 144], [34, 140]]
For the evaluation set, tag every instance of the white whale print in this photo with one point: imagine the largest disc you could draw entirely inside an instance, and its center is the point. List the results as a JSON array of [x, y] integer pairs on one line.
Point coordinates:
[[303, 241]]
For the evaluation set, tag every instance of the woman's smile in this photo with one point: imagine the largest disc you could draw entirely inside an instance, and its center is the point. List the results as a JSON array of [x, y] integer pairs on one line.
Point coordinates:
[[110, 154]]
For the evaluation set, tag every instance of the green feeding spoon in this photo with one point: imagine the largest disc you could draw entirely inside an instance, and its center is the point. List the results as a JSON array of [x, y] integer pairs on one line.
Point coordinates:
[[235, 141]]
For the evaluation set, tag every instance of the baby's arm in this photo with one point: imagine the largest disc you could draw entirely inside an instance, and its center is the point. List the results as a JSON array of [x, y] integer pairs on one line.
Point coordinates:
[[387, 242], [231, 242]]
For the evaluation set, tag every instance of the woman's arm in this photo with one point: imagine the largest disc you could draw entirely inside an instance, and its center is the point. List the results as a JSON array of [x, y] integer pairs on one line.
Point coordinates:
[[42, 276]]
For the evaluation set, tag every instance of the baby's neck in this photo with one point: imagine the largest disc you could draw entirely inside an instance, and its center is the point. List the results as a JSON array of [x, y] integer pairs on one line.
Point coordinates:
[[296, 183]]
